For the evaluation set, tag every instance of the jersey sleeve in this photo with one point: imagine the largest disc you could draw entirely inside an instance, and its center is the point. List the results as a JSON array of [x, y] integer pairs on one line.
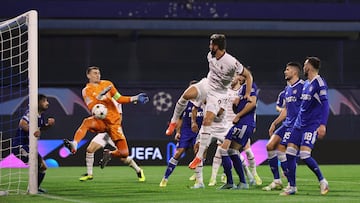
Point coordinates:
[[239, 68], [253, 90], [87, 96], [323, 95], [280, 102]]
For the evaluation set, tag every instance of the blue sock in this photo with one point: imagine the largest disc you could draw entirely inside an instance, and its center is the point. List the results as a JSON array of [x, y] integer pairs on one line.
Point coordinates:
[[291, 169], [284, 166], [171, 167], [313, 165], [273, 163], [226, 162], [238, 167]]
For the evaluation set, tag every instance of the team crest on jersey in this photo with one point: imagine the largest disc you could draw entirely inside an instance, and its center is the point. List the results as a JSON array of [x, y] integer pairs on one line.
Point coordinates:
[[311, 88], [294, 91]]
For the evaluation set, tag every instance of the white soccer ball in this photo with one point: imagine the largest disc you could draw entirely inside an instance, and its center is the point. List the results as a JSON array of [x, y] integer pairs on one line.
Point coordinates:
[[99, 111]]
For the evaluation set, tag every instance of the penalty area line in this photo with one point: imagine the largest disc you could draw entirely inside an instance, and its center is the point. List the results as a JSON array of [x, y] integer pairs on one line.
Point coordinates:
[[62, 199]]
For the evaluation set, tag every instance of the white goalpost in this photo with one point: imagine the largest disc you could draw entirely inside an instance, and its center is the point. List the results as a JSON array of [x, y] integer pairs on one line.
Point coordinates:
[[18, 91]]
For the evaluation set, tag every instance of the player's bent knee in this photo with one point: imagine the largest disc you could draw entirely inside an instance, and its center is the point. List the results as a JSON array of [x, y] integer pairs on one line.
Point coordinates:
[[304, 154], [270, 146], [121, 153]]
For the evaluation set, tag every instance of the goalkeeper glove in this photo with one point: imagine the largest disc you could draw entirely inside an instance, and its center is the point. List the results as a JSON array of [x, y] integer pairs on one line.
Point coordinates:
[[142, 98]]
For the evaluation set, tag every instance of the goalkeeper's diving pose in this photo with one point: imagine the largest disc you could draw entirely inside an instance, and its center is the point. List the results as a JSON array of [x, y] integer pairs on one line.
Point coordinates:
[[104, 92]]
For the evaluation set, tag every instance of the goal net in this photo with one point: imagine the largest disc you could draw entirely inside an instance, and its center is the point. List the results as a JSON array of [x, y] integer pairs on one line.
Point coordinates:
[[18, 93]]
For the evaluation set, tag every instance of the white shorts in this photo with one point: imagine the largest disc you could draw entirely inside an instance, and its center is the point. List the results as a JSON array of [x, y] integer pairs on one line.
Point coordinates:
[[214, 99], [202, 88], [103, 139], [218, 134]]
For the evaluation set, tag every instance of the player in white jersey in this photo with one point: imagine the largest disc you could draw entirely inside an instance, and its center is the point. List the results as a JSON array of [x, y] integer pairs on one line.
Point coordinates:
[[99, 142], [222, 68]]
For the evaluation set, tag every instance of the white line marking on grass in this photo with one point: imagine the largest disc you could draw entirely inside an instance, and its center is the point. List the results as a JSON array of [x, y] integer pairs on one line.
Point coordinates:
[[62, 199]]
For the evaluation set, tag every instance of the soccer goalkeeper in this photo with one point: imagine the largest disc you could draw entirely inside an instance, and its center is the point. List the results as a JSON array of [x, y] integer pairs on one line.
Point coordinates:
[[99, 91]]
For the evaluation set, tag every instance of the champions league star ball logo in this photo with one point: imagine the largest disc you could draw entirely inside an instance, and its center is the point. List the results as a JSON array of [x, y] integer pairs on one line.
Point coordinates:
[[162, 101]]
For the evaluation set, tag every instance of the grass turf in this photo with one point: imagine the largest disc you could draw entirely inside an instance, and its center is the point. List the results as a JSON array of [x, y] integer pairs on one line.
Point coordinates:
[[119, 184]]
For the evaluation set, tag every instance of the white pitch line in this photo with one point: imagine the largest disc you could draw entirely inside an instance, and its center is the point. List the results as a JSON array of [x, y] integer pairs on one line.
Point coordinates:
[[62, 199]]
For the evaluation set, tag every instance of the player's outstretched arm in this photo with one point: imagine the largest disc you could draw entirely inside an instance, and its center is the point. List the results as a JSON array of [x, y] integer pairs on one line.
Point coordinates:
[[142, 98]]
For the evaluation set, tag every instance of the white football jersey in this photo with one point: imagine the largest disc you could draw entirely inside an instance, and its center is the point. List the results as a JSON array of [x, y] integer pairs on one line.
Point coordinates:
[[222, 71], [229, 113]]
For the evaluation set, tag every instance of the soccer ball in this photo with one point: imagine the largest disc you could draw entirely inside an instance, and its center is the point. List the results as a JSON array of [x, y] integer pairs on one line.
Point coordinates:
[[99, 111], [162, 101]]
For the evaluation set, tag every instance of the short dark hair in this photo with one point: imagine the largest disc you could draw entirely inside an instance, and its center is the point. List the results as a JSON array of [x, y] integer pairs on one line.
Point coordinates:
[[219, 40], [295, 64], [91, 68], [314, 61], [41, 97]]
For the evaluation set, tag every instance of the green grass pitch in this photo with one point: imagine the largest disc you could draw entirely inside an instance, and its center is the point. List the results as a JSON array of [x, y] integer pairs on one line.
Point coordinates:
[[119, 184]]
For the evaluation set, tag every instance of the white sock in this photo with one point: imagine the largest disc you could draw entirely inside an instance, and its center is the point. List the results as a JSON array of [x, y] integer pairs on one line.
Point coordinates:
[[132, 164], [251, 160], [199, 173], [204, 140], [179, 108], [216, 163], [89, 163], [246, 168]]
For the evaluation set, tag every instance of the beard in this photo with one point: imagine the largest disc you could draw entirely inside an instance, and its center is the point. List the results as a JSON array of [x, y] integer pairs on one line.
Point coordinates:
[[213, 52]]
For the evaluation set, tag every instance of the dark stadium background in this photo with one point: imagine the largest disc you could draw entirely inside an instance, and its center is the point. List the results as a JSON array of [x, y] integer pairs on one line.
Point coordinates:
[[159, 46]]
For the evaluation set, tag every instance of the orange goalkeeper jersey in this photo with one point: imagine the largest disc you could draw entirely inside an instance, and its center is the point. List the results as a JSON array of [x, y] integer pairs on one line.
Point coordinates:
[[91, 97]]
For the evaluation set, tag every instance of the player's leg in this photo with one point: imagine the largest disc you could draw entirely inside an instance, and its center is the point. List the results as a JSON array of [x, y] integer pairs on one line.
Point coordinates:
[[117, 136], [246, 170], [171, 166], [237, 163], [126, 160], [252, 163], [305, 155], [199, 179], [139, 172], [291, 155], [215, 167], [240, 136], [190, 93], [41, 173], [87, 124], [227, 165], [211, 109], [96, 143], [271, 147]]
